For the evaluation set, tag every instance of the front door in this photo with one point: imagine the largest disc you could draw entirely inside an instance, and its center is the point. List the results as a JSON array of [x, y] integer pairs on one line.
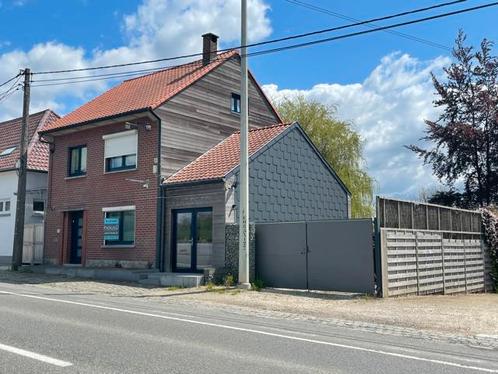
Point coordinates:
[[192, 239], [76, 242]]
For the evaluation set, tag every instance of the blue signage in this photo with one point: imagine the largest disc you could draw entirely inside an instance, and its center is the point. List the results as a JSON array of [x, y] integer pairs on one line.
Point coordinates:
[[111, 228]]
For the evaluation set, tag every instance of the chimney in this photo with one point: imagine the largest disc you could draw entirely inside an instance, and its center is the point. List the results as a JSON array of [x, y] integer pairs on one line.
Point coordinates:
[[209, 48]]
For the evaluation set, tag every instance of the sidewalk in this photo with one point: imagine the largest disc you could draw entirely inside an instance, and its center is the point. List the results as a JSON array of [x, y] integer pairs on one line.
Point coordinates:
[[470, 318]]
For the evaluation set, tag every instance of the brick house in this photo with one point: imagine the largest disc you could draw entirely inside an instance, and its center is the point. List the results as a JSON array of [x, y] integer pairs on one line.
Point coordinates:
[[145, 175], [109, 157], [36, 184]]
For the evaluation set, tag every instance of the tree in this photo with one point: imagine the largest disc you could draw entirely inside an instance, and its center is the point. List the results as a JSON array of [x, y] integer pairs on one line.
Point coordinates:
[[465, 135], [339, 144]]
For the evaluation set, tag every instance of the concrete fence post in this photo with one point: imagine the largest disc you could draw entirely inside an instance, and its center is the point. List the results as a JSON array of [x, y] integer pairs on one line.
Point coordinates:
[[443, 264], [416, 262]]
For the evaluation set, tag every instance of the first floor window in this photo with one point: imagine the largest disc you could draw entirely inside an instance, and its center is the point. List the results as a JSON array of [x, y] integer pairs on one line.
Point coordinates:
[[235, 106], [4, 206], [121, 162], [120, 150], [38, 206], [119, 227], [77, 161]]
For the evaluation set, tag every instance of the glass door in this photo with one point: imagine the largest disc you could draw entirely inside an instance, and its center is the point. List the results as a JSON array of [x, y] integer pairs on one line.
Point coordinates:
[[192, 239], [183, 241], [76, 242]]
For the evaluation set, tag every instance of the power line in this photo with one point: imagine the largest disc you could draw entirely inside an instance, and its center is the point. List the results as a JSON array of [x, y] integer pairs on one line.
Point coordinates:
[[10, 80], [305, 44], [8, 94], [298, 36], [15, 87], [325, 40], [371, 24]]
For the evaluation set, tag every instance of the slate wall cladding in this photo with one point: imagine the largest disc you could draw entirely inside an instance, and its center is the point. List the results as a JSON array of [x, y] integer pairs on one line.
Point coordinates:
[[289, 182], [232, 252]]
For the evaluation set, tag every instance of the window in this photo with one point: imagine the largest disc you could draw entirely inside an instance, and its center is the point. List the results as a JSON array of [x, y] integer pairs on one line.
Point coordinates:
[[120, 151], [4, 206], [38, 207], [77, 161], [119, 225], [7, 151], [235, 106]]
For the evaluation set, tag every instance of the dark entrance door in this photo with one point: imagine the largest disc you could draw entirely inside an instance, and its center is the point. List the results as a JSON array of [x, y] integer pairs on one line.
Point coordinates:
[[76, 242], [192, 239]]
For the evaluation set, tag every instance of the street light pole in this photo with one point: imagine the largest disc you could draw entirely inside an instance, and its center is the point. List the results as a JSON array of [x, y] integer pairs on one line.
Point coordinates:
[[244, 156]]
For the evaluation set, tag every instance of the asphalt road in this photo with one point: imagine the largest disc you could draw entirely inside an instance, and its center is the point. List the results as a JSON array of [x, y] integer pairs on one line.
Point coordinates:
[[43, 331]]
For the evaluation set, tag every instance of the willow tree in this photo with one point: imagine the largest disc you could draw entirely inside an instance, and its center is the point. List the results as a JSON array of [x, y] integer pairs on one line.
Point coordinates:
[[338, 143]]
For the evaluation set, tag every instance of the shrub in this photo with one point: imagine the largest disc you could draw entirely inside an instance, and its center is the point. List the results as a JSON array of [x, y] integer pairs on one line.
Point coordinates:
[[490, 230], [228, 280], [257, 285]]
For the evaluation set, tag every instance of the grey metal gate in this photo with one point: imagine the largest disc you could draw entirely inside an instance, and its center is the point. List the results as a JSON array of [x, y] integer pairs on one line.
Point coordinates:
[[325, 255], [281, 254]]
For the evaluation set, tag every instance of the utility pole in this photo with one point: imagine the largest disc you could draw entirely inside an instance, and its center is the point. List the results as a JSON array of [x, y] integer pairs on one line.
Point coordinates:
[[22, 176], [244, 156]]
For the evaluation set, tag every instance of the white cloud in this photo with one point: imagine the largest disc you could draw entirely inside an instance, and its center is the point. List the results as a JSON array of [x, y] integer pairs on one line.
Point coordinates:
[[388, 109], [158, 28]]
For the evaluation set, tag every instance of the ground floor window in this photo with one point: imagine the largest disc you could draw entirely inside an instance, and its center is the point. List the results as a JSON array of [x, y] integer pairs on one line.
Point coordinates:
[[5, 206], [119, 226]]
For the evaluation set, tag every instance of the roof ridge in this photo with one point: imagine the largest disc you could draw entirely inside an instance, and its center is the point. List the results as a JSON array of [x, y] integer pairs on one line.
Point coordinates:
[[267, 127], [178, 66], [30, 115]]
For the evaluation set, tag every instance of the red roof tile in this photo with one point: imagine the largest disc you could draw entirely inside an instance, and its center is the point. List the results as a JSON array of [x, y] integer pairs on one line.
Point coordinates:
[[146, 92], [225, 156], [38, 152]]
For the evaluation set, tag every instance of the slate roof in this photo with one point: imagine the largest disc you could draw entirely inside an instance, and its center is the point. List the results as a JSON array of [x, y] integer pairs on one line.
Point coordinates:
[[142, 93], [38, 152], [225, 156]]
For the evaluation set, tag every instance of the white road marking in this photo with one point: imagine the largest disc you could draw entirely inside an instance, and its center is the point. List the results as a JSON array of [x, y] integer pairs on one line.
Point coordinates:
[[253, 331], [35, 356]]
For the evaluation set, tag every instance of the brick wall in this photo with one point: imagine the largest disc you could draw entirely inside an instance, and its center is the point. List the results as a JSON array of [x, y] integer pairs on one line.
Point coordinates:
[[97, 190]]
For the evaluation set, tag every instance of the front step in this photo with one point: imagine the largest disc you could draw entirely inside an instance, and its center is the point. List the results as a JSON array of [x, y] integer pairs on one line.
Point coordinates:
[[174, 280]]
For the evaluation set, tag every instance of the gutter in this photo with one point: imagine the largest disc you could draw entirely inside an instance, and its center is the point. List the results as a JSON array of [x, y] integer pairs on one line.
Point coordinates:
[[101, 119]]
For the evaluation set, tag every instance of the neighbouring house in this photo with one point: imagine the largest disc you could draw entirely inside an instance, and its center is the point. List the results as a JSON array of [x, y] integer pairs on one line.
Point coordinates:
[[110, 156], [148, 170], [289, 181], [37, 179]]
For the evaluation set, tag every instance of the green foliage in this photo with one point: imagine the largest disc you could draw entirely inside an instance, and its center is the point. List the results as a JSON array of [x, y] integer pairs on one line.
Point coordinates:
[[228, 280], [464, 136], [490, 229], [257, 285], [338, 143]]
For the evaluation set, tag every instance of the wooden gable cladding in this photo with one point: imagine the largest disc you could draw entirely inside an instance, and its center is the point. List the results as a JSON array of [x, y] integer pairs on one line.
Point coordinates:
[[200, 117]]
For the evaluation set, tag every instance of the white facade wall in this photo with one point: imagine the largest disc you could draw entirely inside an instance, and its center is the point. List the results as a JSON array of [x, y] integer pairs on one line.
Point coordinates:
[[8, 188], [36, 190]]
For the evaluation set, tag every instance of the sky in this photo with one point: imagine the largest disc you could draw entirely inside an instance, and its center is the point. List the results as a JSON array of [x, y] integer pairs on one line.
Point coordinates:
[[379, 82]]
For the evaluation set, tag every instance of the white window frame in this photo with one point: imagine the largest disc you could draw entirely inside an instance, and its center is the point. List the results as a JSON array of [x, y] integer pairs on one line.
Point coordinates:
[[38, 212], [4, 212], [118, 135], [125, 208]]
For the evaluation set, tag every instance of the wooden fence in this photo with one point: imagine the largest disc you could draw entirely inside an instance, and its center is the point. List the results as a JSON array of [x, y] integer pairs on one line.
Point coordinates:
[[428, 249], [33, 244]]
